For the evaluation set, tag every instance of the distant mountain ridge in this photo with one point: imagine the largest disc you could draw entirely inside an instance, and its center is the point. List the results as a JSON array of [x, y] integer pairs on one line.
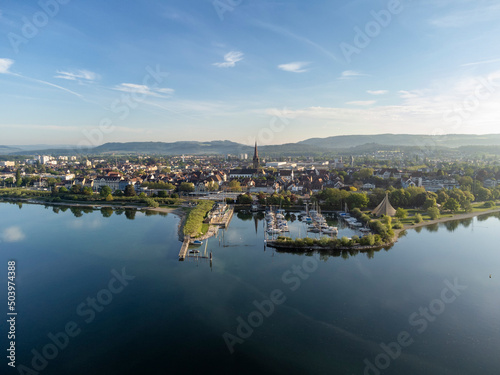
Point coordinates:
[[448, 140], [312, 146]]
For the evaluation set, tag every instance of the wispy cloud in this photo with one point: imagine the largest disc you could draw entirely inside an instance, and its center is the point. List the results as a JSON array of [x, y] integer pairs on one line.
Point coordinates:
[[442, 108], [5, 64], [49, 84], [377, 92], [481, 62], [294, 67], [287, 33], [411, 94], [362, 102], [12, 234], [144, 90], [348, 74], [468, 17], [79, 75], [230, 59]]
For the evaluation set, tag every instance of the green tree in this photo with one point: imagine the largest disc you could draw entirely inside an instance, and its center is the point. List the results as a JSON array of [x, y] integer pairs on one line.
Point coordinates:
[[433, 213], [244, 199], [401, 213], [118, 193], [186, 187], [162, 194], [234, 185], [452, 205], [151, 203], [212, 186], [105, 191], [467, 206], [19, 181], [429, 202], [87, 190], [76, 189], [442, 197], [359, 200], [130, 191], [483, 194]]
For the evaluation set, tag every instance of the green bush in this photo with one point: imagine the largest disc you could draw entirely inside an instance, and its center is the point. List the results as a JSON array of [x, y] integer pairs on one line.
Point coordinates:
[[489, 204], [151, 203], [367, 240], [356, 212], [433, 213], [418, 218], [401, 213], [398, 225], [344, 241], [364, 218]]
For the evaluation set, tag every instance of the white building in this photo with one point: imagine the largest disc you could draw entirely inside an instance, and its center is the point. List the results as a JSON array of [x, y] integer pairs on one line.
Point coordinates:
[[276, 164], [490, 183]]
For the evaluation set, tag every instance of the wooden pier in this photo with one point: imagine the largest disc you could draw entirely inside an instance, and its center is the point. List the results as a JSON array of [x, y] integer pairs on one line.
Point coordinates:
[[184, 248]]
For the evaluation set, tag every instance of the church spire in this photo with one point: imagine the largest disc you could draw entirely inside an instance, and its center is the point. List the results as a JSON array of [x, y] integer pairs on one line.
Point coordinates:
[[256, 157]]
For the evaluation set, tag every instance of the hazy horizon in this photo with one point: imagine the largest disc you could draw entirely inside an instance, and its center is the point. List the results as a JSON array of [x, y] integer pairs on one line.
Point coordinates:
[[34, 145]]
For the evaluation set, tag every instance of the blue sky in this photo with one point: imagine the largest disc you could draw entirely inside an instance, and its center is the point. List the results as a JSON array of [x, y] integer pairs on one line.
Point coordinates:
[[90, 72]]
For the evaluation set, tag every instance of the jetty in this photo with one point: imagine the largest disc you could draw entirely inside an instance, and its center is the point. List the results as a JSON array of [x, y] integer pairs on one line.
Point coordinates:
[[184, 248]]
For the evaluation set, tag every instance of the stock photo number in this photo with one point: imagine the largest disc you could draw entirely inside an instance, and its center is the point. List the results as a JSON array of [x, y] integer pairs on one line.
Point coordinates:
[[11, 314]]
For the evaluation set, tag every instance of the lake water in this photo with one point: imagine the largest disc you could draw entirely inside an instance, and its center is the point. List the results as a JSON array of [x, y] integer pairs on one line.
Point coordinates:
[[115, 283]]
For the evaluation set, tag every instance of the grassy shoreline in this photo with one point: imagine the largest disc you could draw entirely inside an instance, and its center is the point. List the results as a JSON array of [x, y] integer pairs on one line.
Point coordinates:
[[193, 225], [444, 219]]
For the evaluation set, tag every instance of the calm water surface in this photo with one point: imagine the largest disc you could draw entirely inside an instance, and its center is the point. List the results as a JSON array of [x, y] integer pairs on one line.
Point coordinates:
[[170, 319]]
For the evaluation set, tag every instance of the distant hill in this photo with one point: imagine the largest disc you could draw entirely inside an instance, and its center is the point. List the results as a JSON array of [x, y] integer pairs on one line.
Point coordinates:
[[174, 148], [345, 144], [5, 150], [449, 140]]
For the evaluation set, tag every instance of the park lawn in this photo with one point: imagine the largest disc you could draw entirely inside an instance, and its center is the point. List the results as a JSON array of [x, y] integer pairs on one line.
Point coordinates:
[[204, 228], [194, 221]]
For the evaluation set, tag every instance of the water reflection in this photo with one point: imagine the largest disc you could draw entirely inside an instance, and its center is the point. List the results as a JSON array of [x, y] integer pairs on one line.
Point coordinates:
[[451, 226], [130, 213], [431, 228], [106, 211]]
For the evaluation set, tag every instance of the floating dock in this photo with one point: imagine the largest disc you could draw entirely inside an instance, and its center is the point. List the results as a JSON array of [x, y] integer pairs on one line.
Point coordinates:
[[223, 220]]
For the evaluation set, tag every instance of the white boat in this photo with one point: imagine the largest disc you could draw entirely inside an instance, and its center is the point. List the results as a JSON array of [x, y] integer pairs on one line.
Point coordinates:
[[331, 230], [273, 231], [280, 216]]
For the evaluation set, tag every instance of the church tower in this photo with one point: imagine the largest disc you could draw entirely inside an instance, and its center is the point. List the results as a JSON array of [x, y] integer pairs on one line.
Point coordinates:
[[256, 157]]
